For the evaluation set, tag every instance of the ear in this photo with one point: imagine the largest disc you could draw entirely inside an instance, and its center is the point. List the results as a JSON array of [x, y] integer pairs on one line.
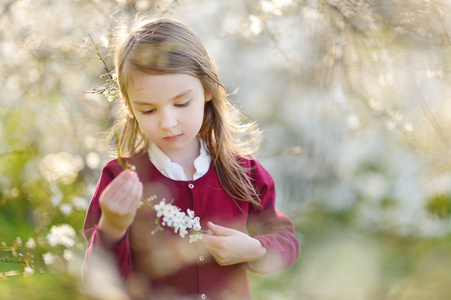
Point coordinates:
[[208, 96]]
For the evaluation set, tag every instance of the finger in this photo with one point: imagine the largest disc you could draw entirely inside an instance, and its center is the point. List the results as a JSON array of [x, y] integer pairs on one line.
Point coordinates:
[[118, 182], [136, 196], [213, 243], [123, 191], [129, 182], [126, 182], [125, 175], [220, 230], [119, 189]]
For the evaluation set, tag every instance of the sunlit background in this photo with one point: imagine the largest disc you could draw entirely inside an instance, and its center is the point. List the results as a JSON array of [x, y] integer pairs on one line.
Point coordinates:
[[354, 100]]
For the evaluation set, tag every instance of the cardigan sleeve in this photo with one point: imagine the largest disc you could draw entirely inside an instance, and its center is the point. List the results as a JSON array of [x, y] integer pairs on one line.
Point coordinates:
[[271, 227], [96, 246]]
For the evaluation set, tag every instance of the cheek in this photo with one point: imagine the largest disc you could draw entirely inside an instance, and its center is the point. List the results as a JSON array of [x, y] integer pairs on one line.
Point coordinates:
[[200, 119], [143, 123]]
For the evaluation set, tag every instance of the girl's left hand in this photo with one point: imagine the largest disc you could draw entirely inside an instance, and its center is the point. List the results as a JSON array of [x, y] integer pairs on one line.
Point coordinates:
[[229, 246]]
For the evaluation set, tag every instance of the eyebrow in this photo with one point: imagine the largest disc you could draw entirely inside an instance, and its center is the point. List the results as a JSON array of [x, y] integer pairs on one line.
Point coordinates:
[[180, 95]]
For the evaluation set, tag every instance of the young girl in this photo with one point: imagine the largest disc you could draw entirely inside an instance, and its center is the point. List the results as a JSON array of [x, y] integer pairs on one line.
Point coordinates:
[[180, 133]]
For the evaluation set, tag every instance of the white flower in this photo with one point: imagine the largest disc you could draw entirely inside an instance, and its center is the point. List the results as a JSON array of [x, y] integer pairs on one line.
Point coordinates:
[[195, 237], [49, 258], [196, 226], [178, 217], [66, 209], [187, 222], [180, 221], [31, 243], [183, 232], [68, 255], [169, 215], [80, 203], [159, 208], [61, 235], [28, 271], [190, 213], [255, 25]]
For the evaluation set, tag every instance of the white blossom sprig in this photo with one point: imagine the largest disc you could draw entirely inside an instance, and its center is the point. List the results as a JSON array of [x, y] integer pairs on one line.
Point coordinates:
[[172, 216], [26, 261]]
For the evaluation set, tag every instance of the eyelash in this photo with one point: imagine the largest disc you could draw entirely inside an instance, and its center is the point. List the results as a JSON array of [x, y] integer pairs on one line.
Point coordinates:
[[147, 112], [185, 104]]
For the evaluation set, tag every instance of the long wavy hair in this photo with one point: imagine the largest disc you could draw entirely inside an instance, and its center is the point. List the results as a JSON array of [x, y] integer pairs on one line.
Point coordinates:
[[167, 46]]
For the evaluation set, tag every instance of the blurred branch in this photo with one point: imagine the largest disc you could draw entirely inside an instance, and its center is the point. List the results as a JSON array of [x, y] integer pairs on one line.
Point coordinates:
[[10, 153], [7, 7], [441, 133], [169, 9], [111, 87], [443, 22], [4, 275], [346, 11], [105, 66], [25, 261], [272, 36], [290, 151]]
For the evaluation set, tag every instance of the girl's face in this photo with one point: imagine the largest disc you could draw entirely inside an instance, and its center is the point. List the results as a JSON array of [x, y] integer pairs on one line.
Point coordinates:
[[170, 111]]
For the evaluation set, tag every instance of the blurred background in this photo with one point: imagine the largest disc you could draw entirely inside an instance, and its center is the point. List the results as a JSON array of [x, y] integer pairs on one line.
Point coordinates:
[[354, 100]]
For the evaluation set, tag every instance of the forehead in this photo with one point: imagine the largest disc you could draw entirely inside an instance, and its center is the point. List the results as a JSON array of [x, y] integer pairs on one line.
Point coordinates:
[[139, 80], [164, 86]]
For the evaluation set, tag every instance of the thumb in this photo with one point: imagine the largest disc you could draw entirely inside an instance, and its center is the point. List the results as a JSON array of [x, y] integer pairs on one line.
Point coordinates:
[[219, 230]]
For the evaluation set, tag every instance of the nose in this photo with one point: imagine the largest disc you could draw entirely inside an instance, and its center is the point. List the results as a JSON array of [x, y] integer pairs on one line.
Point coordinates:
[[168, 119]]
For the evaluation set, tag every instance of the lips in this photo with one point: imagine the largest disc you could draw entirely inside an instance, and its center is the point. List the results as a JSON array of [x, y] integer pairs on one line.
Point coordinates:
[[172, 138]]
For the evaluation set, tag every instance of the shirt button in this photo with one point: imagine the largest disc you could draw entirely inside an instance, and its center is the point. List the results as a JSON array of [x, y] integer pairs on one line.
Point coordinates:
[[191, 185], [203, 296], [201, 258]]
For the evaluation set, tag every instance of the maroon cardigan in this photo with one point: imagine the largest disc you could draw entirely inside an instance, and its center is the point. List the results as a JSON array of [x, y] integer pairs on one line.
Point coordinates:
[[163, 263]]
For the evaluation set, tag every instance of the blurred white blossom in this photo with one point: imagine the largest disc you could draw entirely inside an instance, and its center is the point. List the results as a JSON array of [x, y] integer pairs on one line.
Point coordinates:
[[80, 203], [49, 258], [275, 7], [66, 209], [28, 271], [255, 25], [57, 196], [62, 167], [62, 234], [68, 255], [92, 160], [31, 243]]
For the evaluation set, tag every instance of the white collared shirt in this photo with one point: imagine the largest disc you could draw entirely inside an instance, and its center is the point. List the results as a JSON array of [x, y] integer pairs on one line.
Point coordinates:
[[175, 171]]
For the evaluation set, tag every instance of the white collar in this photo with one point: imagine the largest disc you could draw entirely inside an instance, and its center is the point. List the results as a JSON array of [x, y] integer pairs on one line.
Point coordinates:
[[175, 171]]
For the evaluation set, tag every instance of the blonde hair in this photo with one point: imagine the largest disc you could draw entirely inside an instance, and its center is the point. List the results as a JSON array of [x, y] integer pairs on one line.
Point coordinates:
[[167, 46]]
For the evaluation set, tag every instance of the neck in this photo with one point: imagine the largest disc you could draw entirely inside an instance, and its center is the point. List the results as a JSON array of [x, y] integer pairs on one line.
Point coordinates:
[[186, 159]]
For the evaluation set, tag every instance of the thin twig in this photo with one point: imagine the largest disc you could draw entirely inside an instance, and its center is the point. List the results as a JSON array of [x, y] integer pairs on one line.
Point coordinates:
[[101, 58]]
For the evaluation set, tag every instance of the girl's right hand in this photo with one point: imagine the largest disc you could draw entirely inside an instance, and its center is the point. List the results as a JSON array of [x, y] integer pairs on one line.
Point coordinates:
[[119, 203]]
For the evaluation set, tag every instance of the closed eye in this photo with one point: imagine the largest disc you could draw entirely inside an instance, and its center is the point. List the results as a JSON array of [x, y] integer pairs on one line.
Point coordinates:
[[147, 112], [184, 104]]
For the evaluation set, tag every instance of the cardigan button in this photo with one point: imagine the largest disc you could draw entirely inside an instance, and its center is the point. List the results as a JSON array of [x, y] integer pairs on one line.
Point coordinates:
[[203, 296], [201, 258], [191, 185]]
